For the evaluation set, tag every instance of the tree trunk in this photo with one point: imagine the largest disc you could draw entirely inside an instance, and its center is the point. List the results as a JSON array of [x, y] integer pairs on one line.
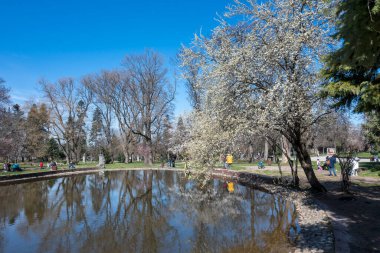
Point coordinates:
[[125, 152], [148, 159], [266, 149], [67, 151], [126, 156], [305, 161], [250, 152], [285, 149]]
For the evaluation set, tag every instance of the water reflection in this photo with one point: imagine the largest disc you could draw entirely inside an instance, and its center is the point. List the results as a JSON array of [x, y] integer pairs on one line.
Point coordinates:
[[141, 211]]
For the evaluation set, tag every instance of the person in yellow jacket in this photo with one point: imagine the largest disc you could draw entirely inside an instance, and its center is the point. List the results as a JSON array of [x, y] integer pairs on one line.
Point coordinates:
[[229, 161]]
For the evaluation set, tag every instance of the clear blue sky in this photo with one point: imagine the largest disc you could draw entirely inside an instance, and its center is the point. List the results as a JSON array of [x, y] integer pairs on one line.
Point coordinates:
[[53, 39]]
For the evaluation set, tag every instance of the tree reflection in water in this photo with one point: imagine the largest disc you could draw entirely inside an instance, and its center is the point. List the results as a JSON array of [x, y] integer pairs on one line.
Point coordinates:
[[141, 211]]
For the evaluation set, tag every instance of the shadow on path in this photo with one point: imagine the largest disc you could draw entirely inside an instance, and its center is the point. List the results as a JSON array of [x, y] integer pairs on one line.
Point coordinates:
[[355, 216]]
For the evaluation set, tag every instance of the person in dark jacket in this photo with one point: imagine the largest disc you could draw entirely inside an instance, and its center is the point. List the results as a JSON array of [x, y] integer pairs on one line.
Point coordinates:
[[331, 165]]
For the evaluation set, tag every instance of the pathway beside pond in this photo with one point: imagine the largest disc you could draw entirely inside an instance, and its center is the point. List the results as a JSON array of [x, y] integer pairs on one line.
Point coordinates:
[[355, 216]]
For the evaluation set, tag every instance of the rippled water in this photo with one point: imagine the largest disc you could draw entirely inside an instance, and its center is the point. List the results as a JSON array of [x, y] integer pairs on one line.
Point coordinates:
[[142, 211]]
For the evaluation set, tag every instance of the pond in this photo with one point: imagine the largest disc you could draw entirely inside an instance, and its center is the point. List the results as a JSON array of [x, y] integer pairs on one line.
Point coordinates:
[[142, 211]]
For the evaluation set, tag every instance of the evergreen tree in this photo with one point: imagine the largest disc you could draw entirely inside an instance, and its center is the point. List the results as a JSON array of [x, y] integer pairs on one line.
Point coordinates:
[[96, 127], [179, 138], [372, 131], [37, 134], [353, 69], [53, 151]]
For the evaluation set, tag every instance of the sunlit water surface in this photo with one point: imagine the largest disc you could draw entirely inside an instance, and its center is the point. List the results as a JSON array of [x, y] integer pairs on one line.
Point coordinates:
[[142, 211]]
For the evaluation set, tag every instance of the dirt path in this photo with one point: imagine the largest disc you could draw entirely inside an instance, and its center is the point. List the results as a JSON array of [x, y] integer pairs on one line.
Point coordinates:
[[355, 217]]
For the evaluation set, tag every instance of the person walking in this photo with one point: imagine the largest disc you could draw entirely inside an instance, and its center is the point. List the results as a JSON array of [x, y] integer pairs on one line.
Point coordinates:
[[331, 165], [319, 165], [229, 160], [355, 166]]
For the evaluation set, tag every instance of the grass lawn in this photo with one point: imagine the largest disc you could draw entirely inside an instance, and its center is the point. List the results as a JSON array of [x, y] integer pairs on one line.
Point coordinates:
[[368, 169], [133, 165], [29, 168], [3, 173], [364, 155]]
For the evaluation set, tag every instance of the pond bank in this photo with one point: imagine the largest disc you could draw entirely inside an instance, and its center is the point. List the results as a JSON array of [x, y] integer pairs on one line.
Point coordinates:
[[316, 227]]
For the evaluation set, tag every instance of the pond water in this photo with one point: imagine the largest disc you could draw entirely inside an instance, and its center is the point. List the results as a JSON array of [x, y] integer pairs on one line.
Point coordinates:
[[142, 211]]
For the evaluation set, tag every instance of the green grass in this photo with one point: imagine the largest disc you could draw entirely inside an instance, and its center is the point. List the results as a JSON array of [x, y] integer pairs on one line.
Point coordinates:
[[3, 173], [28, 168], [370, 166], [365, 184], [369, 173], [364, 155], [134, 165], [369, 169]]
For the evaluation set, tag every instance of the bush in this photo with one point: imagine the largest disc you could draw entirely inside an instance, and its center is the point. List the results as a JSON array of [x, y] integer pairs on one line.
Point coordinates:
[[121, 157], [107, 156]]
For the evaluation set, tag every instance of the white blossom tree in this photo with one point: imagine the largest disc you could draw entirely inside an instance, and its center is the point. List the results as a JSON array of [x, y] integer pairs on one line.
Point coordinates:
[[259, 73]]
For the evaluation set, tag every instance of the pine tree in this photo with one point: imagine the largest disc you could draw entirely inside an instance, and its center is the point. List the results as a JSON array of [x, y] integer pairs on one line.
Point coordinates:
[[372, 131], [353, 69], [96, 127], [37, 134], [53, 151]]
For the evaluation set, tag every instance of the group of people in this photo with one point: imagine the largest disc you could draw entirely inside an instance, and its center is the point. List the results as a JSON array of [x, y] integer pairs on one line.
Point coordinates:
[[171, 160], [11, 167], [375, 159], [8, 167], [330, 165], [53, 165]]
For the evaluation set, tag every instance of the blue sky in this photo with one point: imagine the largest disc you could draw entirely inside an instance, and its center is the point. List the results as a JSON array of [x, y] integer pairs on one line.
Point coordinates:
[[53, 39]]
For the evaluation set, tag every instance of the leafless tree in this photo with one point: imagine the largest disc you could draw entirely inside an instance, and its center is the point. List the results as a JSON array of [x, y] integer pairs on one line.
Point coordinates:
[[140, 97], [69, 105], [143, 98], [4, 122], [4, 94], [101, 86]]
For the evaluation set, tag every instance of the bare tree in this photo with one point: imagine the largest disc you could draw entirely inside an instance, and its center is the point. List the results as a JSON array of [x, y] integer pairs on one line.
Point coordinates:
[[69, 105], [5, 130], [4, 94], [110, 96], [140, 97], [15, 133], [143, 98], [101, 86]]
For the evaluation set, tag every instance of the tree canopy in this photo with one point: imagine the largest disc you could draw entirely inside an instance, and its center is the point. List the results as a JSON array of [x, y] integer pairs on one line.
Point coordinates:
[[352, 70], [259, 73]]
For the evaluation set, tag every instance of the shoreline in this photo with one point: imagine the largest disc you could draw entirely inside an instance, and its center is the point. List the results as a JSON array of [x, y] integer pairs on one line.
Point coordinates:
[[317, 232]]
